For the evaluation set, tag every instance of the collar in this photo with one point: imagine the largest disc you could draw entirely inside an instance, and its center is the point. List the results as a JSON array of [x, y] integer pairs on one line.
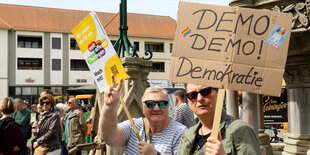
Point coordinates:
[[191, 132]]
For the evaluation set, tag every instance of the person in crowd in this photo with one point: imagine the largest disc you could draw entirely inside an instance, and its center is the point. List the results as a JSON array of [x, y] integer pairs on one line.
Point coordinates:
[[89, 120], [183, 113], [48, 126], [76, 126], [11, 136], [63, 110], [33, 113], [22, 117], [160, 134], [48, 91], [235, 136]]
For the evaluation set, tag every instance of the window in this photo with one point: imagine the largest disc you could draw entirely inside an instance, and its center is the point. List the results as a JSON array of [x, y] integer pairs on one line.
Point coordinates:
[[158, 67], [137, 45], [56, 43], [78, 65], [29, 42], [56, 64], [29, 64], [74, 45], [29, 91], [171, 45], [154, 47]]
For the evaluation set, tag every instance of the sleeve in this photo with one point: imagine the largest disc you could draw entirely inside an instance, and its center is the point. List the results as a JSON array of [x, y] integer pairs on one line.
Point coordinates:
[[245, 140], [178, 115], [178, 139], [126, 126], [19, 138], [52, 130], [26, 120], [83, 124]]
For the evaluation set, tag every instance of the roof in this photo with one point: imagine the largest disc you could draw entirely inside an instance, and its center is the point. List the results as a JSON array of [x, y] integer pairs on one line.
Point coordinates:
[[29, 18]]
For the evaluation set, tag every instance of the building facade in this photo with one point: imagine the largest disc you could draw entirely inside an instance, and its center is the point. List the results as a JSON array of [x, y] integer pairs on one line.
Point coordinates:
[[38, 50]]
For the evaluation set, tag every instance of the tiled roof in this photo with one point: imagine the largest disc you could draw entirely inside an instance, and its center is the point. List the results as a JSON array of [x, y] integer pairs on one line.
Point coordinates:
[[29, 18]]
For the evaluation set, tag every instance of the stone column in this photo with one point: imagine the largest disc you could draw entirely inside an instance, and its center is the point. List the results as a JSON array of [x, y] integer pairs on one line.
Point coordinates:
[[232, 103], [249, 103], [262, 136], [298, 139]]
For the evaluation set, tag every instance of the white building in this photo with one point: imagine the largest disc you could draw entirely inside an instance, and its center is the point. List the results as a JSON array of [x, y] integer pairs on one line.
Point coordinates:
[[38, 50]]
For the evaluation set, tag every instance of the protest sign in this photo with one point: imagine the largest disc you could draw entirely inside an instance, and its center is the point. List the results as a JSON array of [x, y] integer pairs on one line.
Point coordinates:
[[233, 48], [98, 51]]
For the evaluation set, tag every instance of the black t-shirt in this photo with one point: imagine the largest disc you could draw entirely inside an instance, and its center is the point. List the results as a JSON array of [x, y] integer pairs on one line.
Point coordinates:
[[200, 140]]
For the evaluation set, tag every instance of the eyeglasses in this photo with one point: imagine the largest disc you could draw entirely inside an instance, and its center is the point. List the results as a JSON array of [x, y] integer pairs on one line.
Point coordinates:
[[45, 103], [151, 104], [204, 92]]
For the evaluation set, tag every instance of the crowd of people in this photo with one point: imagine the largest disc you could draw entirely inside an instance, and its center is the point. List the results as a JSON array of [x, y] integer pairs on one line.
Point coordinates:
[[51, 128], [57, 128]]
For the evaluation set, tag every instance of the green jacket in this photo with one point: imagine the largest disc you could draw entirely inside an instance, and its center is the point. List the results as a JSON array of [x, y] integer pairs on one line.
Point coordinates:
[[237, 137], [77, 128], [22, 118]]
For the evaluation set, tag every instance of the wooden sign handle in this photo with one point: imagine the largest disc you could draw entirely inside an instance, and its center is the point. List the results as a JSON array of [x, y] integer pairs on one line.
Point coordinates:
[[130, 118], [218, 113]]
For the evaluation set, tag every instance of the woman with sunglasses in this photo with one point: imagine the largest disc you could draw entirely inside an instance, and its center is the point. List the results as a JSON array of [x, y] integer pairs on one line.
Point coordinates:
[[48, 127], [235, 137], [160, 134]]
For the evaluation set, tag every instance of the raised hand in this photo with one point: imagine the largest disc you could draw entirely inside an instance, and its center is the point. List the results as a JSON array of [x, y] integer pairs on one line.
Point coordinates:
[[111, 95]]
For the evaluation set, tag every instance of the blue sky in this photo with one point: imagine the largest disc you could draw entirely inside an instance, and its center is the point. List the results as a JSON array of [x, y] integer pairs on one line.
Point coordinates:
[[155, 7]]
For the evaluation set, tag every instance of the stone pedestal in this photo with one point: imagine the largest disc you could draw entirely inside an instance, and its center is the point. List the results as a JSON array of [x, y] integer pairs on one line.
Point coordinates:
[[263, 138]]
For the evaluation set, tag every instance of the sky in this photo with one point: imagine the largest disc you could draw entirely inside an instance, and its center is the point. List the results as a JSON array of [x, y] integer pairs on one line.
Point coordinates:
[[154, 7]]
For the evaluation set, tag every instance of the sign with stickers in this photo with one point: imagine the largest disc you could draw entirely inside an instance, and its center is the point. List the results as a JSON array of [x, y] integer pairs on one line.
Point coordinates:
[[232, 48], [98, 51]]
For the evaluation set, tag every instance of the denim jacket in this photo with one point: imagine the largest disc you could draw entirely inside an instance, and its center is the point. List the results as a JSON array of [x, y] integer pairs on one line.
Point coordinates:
[[237, 137]]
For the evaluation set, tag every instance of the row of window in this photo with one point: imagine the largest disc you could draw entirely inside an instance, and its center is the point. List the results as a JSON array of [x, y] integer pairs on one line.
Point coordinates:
[[36, 42], [76, 65]]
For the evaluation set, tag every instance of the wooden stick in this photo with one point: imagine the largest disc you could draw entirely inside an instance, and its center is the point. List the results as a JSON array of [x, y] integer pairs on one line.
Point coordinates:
[[218, 113], [130, 118]]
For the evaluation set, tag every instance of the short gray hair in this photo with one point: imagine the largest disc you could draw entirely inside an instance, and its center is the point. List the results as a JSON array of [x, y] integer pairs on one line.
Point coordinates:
[[62, 106], [155, 89], [19, 101]]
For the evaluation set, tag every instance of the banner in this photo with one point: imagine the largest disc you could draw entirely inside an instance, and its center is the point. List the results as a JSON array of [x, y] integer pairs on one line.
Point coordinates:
[[232, 48], [98, 51]]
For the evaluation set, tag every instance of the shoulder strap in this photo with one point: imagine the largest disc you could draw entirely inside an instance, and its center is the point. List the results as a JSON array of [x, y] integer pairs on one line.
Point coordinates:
[[146, 130]]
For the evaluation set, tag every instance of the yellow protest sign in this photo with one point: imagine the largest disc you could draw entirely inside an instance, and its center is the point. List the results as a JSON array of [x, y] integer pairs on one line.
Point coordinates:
[[98, 51]]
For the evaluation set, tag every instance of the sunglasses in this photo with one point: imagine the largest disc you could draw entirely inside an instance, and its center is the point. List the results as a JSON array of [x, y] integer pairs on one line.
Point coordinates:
[[45, 103], [204, 92], [151, 104]]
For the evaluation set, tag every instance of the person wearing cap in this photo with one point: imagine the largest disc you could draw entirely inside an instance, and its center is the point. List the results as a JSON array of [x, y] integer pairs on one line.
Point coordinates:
[[22, 117], [160, 134]]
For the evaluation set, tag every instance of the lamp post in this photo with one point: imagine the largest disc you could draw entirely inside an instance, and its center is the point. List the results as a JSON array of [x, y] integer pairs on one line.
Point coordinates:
[[123, 44]]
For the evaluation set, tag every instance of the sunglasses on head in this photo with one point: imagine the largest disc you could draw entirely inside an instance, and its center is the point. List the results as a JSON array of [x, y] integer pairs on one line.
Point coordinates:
[[45, 103], [204, 92], [151, 104]]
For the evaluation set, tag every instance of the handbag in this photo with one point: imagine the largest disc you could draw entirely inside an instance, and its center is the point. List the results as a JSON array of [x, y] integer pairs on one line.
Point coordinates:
[[40, 150]]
